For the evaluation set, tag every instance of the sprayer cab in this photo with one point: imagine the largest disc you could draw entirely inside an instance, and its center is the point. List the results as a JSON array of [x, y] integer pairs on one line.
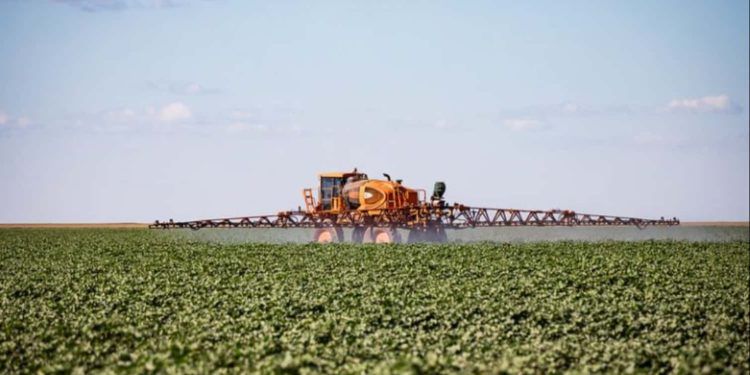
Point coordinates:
[[340, 192], [331, 185]]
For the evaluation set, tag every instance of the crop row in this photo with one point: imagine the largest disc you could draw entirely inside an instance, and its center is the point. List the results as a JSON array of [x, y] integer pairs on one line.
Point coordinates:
[[113, 300]]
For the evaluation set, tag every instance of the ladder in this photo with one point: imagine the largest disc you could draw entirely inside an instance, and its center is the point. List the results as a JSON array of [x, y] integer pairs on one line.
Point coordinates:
[[309, 200]]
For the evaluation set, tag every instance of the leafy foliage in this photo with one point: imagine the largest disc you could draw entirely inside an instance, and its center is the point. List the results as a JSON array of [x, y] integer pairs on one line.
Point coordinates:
[[127, 300]]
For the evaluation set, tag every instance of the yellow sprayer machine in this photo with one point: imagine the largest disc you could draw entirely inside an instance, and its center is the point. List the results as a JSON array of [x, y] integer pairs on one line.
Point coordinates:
[[377, 209]]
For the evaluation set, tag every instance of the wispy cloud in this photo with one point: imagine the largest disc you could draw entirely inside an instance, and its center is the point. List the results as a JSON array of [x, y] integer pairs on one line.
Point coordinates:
[[442, 124], [120, 115], [649, 138], [251, 122], [118, 5], [652, 139], [568, 109], [23, 122], [9, 122], [243, 114], [571, 108], [535, 117], [706, 104], [246, 127], [166, 116], [178, 116], [182, 88], [522, 124], [174, 112]]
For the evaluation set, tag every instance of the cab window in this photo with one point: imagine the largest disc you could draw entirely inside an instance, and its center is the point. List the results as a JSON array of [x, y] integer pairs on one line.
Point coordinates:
[[330, 187]]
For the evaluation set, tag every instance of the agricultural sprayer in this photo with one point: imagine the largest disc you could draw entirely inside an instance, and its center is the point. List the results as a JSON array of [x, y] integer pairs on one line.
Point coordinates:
[[375, 210]]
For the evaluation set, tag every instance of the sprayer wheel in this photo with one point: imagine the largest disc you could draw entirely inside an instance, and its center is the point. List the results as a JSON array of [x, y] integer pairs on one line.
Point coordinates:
[[437, 234], [382, 235], [328, 235], [429, 234], [415, 236], [358, 234]]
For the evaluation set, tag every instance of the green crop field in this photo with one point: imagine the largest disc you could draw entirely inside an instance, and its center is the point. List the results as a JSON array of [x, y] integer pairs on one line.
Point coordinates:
[[87, 300]]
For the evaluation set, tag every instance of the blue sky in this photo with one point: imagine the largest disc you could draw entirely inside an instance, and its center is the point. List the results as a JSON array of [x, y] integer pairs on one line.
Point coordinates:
[[135, 110]]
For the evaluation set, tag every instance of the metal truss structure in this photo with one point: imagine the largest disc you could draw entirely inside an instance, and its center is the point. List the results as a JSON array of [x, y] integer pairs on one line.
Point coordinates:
[[448, 217]]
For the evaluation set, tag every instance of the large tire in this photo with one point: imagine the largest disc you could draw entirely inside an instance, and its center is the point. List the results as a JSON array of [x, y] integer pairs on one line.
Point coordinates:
[[430, 234], [329, 235], [415, 236], [382, 235], [358, 234], [437, 234]]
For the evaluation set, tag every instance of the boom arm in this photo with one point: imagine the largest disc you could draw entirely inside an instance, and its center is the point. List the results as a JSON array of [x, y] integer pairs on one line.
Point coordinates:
[[455, 217]]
